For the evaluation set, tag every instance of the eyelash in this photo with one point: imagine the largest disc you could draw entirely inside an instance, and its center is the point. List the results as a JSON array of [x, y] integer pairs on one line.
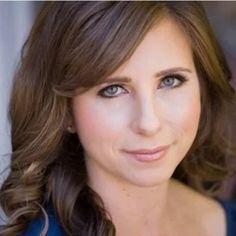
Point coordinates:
[[179, 78]]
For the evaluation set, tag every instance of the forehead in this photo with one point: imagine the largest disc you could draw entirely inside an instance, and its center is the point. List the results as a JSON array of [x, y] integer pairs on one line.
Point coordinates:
[[163, 47]]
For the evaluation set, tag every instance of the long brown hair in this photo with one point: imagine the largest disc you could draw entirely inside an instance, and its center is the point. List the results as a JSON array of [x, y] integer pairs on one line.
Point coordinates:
[[75, 45]]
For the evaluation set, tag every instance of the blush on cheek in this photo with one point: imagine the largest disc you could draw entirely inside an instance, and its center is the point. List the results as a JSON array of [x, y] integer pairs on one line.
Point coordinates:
[[96, 123], [88, 123]]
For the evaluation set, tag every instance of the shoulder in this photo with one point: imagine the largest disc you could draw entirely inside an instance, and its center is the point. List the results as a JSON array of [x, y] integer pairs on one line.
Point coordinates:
[[230, 213], [37, 225], [206, 212]]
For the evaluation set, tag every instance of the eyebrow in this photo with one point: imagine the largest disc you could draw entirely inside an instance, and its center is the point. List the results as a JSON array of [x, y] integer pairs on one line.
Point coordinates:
[[124, 79]]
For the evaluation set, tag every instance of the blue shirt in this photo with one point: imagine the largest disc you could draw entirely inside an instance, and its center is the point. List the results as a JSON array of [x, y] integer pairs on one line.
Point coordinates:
[[230, 212], [36, 226], [55, 229]]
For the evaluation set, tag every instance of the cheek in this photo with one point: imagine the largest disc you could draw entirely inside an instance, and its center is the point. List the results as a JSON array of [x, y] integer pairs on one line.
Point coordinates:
[[187, 114], [95, 122], [184, 114], [90, 124]]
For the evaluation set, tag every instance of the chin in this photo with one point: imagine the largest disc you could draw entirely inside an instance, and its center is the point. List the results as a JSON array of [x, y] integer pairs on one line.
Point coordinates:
[[151, 180]]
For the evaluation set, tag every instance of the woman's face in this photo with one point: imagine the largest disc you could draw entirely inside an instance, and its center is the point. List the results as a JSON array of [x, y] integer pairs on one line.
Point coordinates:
[[138, 125]]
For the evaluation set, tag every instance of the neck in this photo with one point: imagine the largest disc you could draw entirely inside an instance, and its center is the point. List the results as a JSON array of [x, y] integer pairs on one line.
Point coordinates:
[[134, 210]]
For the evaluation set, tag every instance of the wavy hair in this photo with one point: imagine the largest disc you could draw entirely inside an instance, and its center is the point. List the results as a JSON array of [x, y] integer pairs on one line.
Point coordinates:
[[76, 45]]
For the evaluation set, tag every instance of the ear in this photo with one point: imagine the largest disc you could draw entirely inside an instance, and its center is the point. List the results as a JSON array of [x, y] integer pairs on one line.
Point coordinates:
[[71, 128]]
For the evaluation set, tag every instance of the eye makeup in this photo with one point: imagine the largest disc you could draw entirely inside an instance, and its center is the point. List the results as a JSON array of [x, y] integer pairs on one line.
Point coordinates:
[[170, 81]]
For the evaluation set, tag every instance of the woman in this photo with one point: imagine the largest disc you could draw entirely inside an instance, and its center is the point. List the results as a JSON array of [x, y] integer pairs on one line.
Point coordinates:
[[120, 123]]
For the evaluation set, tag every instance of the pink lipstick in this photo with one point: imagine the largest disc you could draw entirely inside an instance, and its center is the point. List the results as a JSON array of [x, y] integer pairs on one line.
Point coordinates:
[[147, 155]]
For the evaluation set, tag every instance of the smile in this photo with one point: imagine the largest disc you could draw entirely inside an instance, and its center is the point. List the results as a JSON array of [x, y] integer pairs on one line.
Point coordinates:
[[147, 155]]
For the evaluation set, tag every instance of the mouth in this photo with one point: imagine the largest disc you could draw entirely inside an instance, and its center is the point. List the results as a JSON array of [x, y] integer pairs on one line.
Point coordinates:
[[148, 155]]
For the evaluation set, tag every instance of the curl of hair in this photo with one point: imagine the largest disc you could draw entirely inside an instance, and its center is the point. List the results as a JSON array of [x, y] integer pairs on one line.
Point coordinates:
[[74, 46]]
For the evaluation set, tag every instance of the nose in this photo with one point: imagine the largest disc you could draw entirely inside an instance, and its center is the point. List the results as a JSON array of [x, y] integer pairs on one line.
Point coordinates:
[[147, 118]]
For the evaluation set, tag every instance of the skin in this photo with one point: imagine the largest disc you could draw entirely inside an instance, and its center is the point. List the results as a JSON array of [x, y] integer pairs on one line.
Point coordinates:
[[151, 109]]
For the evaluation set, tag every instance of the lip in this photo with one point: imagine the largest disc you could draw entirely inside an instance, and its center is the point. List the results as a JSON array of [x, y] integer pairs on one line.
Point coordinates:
[[147, 155]]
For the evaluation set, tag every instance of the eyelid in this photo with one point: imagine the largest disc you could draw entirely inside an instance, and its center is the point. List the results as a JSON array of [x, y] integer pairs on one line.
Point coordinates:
[[107, 85], [178, 76]]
